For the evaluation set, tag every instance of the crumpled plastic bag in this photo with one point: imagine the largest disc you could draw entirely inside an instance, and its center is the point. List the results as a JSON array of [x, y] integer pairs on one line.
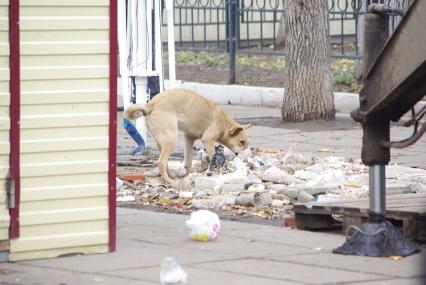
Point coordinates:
[[204, 225], [171, 272], [276, 175]]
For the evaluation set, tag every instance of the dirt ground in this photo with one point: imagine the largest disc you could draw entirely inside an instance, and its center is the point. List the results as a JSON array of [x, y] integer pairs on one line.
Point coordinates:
[[252, 70], [245, 75]]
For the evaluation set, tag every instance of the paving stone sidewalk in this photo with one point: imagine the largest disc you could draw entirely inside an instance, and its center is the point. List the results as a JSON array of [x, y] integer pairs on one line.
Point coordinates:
[[340, 137], [246, 254]]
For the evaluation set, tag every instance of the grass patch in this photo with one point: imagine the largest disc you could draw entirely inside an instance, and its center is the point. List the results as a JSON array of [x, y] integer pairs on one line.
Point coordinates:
[[201, 58]]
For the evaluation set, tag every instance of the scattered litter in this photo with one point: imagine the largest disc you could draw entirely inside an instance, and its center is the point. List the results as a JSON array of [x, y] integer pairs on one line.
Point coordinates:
[[126, 198], [289, 220], [304, 197], [263, 213], [255, 187], [118, 183], [186, 194], [277, 203], [204, 225], [132, 177], [319, 199], [234, 185], [213, 202], [276, 175], [171, 272], [254, 199], [261, 182]]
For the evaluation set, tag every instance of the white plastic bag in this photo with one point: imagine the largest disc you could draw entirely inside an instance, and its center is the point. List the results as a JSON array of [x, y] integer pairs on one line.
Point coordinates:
[[204, 225], [171, 272], [118, 183]]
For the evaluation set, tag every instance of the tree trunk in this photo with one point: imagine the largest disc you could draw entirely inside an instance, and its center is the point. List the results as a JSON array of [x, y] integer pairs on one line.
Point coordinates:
[[308, 91]]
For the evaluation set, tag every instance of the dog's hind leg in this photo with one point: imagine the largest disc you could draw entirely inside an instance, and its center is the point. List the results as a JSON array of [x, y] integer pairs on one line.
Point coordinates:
[[166, 149], [189, 143], [165, 131]]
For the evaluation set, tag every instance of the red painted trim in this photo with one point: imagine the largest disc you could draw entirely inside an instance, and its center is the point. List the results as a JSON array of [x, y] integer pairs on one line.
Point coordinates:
[[113, 54], [14, 113]]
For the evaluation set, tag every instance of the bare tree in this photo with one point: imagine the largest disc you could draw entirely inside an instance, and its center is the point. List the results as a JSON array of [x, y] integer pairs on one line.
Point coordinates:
[[307, 74]]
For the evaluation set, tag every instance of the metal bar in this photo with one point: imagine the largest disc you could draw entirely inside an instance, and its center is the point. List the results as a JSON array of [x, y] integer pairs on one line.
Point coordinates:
[[227, 8], [232, 39], [112, 144], [248, 30], [171, 42], [274, 31], [261, 30], [15, 105], [342, 43], [407, 142], [153, 36], [192, 27], [237, 24], [158, 59], [217, 29], [205, 27], [377, 183], [180, 27]]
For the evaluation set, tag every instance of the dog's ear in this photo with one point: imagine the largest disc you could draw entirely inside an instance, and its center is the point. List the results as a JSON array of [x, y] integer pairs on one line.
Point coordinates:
[[246, 126], [235, 130]]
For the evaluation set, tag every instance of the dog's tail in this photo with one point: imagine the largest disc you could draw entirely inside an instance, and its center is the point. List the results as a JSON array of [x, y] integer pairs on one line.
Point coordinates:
[[136, 110]]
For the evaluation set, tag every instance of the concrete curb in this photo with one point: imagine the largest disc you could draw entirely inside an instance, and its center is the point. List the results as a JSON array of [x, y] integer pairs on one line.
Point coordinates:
[[257, 96]]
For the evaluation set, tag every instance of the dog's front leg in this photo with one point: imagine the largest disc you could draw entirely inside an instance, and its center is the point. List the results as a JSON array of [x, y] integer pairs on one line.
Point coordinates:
[[209, 146]]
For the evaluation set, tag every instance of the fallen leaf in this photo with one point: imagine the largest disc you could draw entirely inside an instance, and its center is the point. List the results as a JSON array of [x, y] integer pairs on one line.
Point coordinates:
[[263, 213], [271, 150], [325, 149], [352, 185], [396, 257]]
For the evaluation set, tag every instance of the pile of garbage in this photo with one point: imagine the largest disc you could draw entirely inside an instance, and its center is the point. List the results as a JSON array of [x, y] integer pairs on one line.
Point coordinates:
[[265, 183]]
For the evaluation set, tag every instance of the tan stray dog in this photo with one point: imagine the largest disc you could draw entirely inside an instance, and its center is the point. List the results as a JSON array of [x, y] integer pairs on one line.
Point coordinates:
[[197, 117]]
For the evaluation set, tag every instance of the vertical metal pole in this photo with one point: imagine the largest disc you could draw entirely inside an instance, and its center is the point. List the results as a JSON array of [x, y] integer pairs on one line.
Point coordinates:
[[237, 24], [171, 42], [233, 15], [376, 32], [377, 179], [158, 45], [227, 17]]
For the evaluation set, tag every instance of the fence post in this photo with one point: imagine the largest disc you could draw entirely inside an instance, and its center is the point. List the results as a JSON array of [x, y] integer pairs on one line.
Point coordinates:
[[232, 39]]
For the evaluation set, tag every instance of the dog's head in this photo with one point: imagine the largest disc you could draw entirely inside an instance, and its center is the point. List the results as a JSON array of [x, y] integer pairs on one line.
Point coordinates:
[[236, 138]]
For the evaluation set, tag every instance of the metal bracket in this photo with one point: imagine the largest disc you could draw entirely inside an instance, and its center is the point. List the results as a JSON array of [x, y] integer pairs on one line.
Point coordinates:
[[417, 133], [385, 9]]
